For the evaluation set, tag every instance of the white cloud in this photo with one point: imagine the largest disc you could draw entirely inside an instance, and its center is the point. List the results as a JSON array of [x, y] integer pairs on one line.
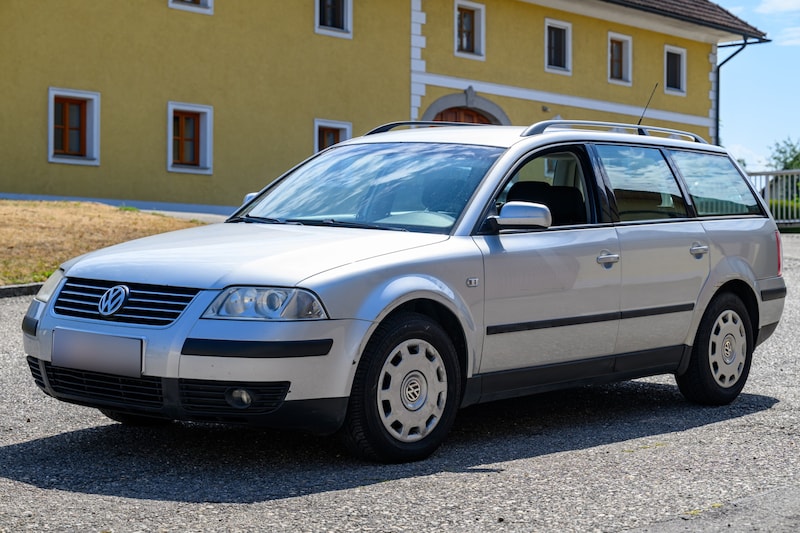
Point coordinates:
[[778, 6], [736, 10], [789, 37], [755, 161]]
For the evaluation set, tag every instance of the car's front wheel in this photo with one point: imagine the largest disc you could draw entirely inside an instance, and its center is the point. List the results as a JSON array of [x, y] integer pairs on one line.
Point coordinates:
[[721, 355], [406, 391]]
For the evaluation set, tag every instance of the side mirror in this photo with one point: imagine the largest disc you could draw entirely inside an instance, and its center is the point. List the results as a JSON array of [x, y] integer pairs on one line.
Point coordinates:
[[519, 215], [248, 197]]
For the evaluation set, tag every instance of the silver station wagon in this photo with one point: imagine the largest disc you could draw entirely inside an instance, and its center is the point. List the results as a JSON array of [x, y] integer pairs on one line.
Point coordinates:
[[384, 283]]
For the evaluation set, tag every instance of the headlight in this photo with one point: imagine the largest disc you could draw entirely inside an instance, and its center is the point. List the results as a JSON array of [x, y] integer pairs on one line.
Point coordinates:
[[50, 286], [266, 303]]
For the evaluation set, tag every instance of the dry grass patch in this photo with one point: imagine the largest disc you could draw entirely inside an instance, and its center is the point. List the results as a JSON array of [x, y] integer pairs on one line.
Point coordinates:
[[36, 237]]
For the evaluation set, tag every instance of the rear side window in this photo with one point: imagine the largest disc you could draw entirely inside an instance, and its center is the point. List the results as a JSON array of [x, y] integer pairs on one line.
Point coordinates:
[[715, 185], [643, 183]]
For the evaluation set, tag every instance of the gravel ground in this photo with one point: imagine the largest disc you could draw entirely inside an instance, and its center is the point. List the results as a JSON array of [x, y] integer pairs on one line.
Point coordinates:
[[631, 456]]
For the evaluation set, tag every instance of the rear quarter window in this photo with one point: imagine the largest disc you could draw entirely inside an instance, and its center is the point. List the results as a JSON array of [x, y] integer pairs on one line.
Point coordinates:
[[715, 184]]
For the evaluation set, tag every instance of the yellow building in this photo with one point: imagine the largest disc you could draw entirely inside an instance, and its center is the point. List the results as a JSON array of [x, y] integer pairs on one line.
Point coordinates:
[[202, 101]]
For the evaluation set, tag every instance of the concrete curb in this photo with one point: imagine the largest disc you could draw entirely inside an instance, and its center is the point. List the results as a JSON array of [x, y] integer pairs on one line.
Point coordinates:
[[10, 291]]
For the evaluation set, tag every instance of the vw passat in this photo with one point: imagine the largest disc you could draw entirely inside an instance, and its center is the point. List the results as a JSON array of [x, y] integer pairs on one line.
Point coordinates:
[[388, 281]]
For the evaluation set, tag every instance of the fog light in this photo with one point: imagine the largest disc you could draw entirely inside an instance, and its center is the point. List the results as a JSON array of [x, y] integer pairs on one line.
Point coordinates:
[[239, 398]]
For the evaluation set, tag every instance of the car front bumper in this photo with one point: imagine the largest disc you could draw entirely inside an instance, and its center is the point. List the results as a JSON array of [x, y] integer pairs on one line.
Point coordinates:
[[298, 374]]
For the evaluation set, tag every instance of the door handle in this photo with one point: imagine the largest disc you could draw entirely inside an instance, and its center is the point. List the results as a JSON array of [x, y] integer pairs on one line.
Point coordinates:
[[698, 249], [607, 259]]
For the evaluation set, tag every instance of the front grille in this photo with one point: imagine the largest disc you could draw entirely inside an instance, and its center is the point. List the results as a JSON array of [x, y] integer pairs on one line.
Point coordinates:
[[151, 305], [79, 384], [36, 372], [210, 396], [185, 399]]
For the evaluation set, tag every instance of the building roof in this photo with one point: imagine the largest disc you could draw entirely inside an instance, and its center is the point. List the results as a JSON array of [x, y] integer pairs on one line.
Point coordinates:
[[700, 12]]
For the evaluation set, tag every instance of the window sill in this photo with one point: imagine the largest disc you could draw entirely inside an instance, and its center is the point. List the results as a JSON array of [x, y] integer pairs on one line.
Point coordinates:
[[674, 92], [470, 55], [190, 169], [192, 8], [615, 81], [74, 160], [558, 70], [331, 31]]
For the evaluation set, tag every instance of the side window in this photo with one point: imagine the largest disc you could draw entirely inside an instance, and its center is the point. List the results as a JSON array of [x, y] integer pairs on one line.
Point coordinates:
[[558, 46], [674, 70], [619, 58], [73, 127], [470, 37], [334, 18], [643, 183], [556, 180], [330, 132], [190, 134], [715, 185]]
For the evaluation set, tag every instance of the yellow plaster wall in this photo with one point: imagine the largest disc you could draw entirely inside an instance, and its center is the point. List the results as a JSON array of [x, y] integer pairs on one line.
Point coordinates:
[[267, 77], [515, 57]]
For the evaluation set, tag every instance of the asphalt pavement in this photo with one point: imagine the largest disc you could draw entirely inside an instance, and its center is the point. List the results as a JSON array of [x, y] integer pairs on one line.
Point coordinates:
[[626, 457]]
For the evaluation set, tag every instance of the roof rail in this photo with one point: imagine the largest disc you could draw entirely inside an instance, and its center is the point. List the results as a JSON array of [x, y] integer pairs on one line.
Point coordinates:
[[540, 127], [417, 123]]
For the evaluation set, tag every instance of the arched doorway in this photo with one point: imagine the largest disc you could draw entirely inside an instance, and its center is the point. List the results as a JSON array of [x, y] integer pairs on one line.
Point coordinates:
[[462, 114], [465, 106]]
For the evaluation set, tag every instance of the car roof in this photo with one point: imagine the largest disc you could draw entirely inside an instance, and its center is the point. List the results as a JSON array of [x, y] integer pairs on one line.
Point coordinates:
[[540, 134]]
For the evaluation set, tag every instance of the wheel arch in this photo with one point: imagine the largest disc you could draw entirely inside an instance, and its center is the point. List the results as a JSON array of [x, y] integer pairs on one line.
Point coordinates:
[[747, 295], [731, 274], [741, 289], [447, 320]]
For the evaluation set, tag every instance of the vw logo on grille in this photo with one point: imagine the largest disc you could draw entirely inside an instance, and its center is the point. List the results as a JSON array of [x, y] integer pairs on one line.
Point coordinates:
[[113, 300]]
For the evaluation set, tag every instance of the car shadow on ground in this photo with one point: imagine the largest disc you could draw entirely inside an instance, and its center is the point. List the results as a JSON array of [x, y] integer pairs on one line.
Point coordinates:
[[210, 463]]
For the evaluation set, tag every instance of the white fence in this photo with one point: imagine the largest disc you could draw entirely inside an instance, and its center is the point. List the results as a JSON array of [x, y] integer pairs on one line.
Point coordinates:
[[781, 190]]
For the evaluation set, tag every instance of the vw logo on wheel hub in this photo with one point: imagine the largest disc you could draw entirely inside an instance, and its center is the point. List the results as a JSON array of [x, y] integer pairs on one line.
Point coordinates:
[[113, 300]]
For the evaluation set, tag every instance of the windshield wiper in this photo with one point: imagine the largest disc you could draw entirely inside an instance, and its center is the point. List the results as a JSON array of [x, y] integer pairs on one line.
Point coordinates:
[[249, 219], [340, 224]]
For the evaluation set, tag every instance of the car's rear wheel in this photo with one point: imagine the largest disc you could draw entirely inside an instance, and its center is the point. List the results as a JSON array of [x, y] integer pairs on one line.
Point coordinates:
[[406, 391], [721, 355]]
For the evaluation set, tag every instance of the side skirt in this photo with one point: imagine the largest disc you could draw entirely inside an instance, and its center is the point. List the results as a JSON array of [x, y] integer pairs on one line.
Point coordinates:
[[597, 370]]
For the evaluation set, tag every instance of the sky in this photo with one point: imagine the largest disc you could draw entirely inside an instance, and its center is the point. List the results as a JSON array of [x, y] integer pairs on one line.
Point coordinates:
[[760, 87]]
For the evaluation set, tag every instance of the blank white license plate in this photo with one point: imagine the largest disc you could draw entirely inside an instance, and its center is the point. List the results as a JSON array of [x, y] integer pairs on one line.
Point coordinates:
[[97, 353]]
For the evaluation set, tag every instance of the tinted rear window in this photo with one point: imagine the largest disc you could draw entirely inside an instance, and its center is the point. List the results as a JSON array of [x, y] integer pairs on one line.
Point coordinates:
[[715, 185]]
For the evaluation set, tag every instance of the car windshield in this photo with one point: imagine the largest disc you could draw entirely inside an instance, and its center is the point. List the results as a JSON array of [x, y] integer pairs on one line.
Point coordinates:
[[420, 187]]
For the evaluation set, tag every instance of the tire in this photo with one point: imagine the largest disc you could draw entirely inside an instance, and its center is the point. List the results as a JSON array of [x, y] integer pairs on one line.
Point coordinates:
[[134, 420], [721, 355], [406, 391]]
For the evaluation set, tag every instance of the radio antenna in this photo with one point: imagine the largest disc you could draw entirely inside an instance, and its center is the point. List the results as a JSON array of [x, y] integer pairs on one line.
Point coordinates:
[[648, 104]]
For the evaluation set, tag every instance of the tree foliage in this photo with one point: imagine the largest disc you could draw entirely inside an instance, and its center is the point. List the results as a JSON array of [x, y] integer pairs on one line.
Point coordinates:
[[785, 155]]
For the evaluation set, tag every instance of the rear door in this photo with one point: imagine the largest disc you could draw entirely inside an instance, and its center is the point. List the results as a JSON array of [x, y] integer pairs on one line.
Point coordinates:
[[664, 256]]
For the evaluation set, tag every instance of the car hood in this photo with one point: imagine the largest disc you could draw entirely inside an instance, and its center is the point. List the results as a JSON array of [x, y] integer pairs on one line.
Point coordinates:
[[219, 255]]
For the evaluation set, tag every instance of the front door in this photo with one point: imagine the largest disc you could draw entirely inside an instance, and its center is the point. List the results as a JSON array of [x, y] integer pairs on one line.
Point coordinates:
[[552, 296]]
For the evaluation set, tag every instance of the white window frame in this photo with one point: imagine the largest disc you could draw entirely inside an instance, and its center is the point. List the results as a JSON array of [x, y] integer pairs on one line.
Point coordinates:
[[480, 30], [206, 7], [92, 99], [345, 128], [346, 33], [627, 59], [206, 164], [567, 27], [668, 49]]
